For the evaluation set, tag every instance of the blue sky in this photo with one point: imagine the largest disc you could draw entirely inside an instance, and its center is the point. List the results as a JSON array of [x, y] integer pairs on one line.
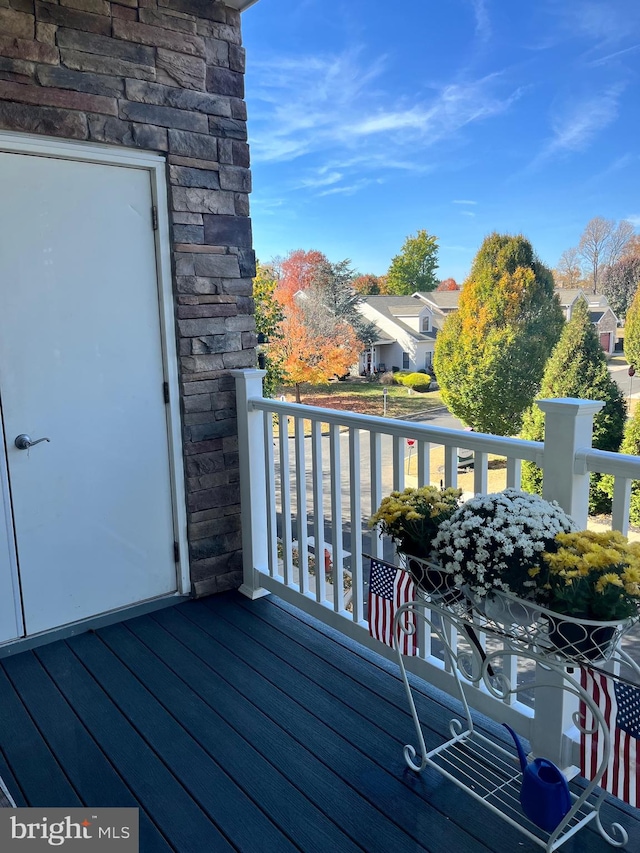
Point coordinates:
[[369, 121]]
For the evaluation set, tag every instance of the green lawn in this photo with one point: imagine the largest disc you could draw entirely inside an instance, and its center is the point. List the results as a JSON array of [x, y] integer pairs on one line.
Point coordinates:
[[366, 397]]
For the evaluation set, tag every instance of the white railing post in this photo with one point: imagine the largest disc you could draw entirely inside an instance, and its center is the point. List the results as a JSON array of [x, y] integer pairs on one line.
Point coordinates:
[[568, 431], [253, 482], [567, 436]]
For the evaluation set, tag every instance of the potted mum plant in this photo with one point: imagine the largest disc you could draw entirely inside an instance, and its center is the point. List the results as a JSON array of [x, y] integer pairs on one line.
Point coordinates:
[[491, 543], [411, 519], [593, 578]]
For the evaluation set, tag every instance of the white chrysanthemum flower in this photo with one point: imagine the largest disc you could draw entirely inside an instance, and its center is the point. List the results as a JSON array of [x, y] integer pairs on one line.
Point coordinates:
[[493, 540]]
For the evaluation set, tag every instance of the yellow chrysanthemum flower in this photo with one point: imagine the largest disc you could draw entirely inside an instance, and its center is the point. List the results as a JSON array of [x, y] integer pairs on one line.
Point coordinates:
[[608, 579]]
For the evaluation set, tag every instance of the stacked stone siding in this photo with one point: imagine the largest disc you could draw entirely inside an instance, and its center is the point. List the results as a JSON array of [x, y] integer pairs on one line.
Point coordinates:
[[164, 76]]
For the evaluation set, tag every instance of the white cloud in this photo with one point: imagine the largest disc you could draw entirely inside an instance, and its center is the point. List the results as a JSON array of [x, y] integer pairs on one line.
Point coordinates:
[[483, 24], [335, 108], [467, 213], [268, 206], [350, 189], [463, 201], [322, 180], [603, 60], [576, 127], [634, 219]]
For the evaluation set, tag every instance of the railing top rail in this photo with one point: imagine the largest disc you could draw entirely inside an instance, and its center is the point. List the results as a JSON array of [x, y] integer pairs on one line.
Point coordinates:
[[607, 462], [482, 442]]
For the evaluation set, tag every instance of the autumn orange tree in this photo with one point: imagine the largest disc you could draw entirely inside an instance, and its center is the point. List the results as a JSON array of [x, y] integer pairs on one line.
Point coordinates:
[[370, 285], [297, 271], [490, 354], [448, 284], [308, 353]]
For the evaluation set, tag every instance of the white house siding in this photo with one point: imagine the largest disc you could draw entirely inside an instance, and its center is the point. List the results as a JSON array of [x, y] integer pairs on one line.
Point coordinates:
[[404, 342]]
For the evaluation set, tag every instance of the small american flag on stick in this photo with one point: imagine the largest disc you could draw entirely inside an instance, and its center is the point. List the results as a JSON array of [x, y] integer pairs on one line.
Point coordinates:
[[620, 706], [390, 588]]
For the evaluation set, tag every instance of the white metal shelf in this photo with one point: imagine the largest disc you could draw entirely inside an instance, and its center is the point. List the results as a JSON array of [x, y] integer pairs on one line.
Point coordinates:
[[477, 764]]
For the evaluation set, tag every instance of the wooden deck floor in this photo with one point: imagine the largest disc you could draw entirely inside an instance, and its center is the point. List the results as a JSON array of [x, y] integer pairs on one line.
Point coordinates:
[[238, 725]]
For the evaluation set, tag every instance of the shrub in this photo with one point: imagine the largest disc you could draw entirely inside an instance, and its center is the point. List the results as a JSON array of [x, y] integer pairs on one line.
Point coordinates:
[[631, 445], [387, 378], [417, 381]]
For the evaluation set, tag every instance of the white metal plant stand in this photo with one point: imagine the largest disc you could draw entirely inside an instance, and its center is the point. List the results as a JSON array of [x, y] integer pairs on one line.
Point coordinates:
[[482, 767]]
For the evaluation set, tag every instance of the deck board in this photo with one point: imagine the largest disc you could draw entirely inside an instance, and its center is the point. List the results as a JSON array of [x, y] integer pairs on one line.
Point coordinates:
[[87, 768], [302, 744], [267, 790], [334, 733], [242, 726], [176, 814]]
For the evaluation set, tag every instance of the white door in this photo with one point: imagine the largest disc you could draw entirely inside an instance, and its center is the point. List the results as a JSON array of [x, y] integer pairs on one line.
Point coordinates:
[[10, 604], [81, 364]]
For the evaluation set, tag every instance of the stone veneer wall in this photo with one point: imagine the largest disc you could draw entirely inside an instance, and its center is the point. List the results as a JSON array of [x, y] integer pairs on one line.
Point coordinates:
[[166, 76]]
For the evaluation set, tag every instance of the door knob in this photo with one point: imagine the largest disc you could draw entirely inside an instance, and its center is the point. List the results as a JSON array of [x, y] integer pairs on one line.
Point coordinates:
[[23, 442]]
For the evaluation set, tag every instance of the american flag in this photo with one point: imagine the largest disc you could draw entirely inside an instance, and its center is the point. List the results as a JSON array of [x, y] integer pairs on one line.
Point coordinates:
[[389, 588], [620, 706]]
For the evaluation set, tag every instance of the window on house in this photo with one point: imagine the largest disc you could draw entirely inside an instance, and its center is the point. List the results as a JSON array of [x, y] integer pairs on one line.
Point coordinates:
[[426, 324], [405, 361]]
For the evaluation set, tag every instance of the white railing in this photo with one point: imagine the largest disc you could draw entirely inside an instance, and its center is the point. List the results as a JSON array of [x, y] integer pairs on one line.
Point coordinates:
[[307, 496]]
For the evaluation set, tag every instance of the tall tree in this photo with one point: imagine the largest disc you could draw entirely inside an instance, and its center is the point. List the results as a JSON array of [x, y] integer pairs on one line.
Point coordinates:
[[632, 332], [370, 285], [593, 247], [603, 242], [414, 268], [268, 316], [619, 240], [578, 368], [620, 282], [568, 273], [632, 249], [309, 354], [296, 272], [331, 295], [490, 354], [448, 284]]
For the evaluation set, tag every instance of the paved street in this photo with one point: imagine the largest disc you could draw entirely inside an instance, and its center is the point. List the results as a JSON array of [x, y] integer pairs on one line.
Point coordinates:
[[619, 370]]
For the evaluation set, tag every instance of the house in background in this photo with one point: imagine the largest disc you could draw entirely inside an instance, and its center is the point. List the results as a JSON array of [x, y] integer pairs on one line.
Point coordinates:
[[126, 270], [441, 302], [601, 314], [407, 327]]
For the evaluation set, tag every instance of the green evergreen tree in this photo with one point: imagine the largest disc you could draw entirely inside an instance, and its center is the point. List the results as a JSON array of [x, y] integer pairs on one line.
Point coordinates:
[[415, 267], [631, 445], [490, 355], [632, 332], [578, 368], [331, 295]]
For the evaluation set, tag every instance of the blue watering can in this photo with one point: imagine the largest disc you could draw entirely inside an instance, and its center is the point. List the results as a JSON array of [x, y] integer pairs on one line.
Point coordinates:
[[544, 795]]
